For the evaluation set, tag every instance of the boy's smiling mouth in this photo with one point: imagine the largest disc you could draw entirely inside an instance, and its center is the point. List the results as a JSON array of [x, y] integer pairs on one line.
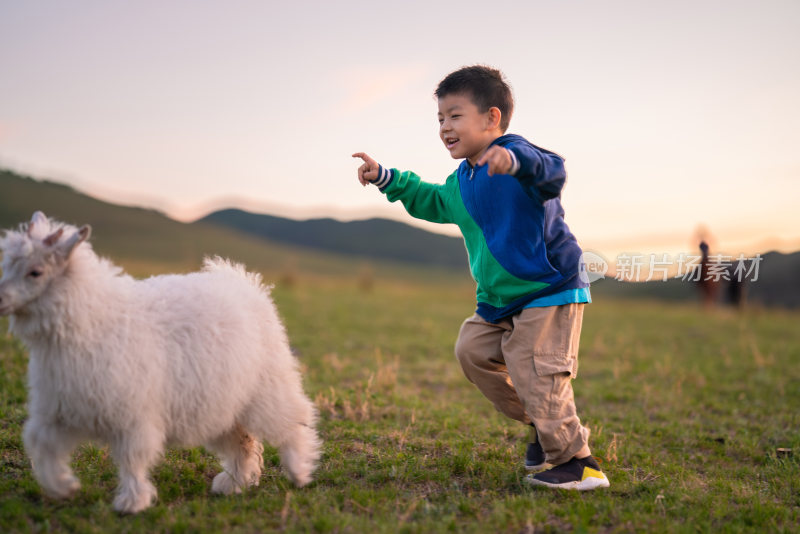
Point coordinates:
[[450, 142]]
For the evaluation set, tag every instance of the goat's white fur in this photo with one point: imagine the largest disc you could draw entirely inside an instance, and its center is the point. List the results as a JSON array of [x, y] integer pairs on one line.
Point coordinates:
[[196, 359]]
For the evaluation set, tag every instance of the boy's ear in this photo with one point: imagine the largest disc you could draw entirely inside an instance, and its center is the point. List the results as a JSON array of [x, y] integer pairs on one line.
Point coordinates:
[[495, 115]]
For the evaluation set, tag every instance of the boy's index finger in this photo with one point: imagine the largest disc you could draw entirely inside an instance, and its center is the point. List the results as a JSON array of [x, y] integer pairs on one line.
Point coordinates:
[[486, 155], [363, 156]]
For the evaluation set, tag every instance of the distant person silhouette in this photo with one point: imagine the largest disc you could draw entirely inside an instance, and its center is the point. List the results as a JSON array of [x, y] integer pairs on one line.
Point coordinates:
[[708, 286], [736, 293], [736, 290]]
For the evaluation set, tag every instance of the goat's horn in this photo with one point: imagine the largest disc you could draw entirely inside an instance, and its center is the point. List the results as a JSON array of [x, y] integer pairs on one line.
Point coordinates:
[[38, 217]]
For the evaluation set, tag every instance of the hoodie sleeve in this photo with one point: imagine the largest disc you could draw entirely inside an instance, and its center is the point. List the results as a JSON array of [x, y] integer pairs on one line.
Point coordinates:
[[541, 172], [422, 200]]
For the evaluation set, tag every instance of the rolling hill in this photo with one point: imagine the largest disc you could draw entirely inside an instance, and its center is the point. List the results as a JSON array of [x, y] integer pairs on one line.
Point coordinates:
[[373, 238], [146, 241], [777, 286]]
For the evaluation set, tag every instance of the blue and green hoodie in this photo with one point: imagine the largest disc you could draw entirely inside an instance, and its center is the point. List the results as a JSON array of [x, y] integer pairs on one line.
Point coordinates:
[[520, 248]]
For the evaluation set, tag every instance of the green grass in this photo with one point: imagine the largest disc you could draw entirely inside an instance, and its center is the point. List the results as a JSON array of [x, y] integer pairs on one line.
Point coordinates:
[[686, 410]]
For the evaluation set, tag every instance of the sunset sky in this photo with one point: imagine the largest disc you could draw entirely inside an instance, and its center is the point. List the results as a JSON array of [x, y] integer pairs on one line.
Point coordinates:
[[671, 115]]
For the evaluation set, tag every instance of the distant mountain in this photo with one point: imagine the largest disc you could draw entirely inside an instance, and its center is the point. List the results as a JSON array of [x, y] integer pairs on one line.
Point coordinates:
[[373, 238], [146, 241], [778, 285]]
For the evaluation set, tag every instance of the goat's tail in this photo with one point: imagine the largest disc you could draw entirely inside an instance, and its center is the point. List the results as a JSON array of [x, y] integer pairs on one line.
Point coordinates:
[[223, 265]]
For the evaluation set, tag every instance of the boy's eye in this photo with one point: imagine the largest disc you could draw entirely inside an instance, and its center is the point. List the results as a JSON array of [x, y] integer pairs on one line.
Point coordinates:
[[35, 273]]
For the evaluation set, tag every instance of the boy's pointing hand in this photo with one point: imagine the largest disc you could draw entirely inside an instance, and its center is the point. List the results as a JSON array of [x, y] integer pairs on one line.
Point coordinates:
[[368, 171], [498, 158]]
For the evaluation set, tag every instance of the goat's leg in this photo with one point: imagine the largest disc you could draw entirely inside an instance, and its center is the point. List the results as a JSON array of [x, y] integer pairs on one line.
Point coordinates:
[[241, 456], [288, 423], [299, 452], [135, 451], [49, 446]]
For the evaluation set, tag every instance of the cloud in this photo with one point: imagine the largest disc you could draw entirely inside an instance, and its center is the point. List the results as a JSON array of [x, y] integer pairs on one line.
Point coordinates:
[[367, 86], [5, 131]]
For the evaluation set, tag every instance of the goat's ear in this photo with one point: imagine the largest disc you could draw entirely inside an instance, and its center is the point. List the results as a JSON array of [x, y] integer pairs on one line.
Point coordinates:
[[53, 238], [74, 240]]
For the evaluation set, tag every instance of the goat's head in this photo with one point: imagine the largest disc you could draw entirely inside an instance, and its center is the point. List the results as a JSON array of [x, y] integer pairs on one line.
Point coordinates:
[[33, 257]]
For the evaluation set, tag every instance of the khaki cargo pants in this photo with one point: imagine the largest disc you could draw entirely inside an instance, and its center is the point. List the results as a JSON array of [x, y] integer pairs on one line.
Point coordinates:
[[525, 365]]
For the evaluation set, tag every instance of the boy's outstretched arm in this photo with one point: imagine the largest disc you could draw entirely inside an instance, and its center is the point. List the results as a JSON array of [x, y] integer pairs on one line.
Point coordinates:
[[421, 199]]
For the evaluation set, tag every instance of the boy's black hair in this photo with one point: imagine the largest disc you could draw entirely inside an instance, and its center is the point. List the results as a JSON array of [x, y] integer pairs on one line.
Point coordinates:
[[485, 85]]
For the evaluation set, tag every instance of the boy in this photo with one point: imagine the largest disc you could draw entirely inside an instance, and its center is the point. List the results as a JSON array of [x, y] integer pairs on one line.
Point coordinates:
[[520, 348]]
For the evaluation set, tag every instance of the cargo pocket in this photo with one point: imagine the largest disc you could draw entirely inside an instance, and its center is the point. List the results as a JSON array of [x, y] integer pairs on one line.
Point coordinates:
[[546, 364], [556, 349], [554, 373]]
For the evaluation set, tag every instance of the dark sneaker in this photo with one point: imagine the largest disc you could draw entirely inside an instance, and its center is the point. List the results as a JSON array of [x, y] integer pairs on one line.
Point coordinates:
[[577, 474], [534, 457]]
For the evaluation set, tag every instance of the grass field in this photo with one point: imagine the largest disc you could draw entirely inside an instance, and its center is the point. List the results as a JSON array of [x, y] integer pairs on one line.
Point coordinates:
[[686, 408]]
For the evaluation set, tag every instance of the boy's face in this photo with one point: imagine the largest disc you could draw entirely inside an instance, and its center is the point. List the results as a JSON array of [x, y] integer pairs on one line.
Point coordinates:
[[465, 131]]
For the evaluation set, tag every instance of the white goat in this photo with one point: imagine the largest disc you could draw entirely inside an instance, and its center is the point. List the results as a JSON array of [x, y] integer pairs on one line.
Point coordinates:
[[196, 359]]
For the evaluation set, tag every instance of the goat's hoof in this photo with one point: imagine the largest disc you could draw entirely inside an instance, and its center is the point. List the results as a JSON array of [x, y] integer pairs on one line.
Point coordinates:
[[131, 503], [66, 486], [224, 484]]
